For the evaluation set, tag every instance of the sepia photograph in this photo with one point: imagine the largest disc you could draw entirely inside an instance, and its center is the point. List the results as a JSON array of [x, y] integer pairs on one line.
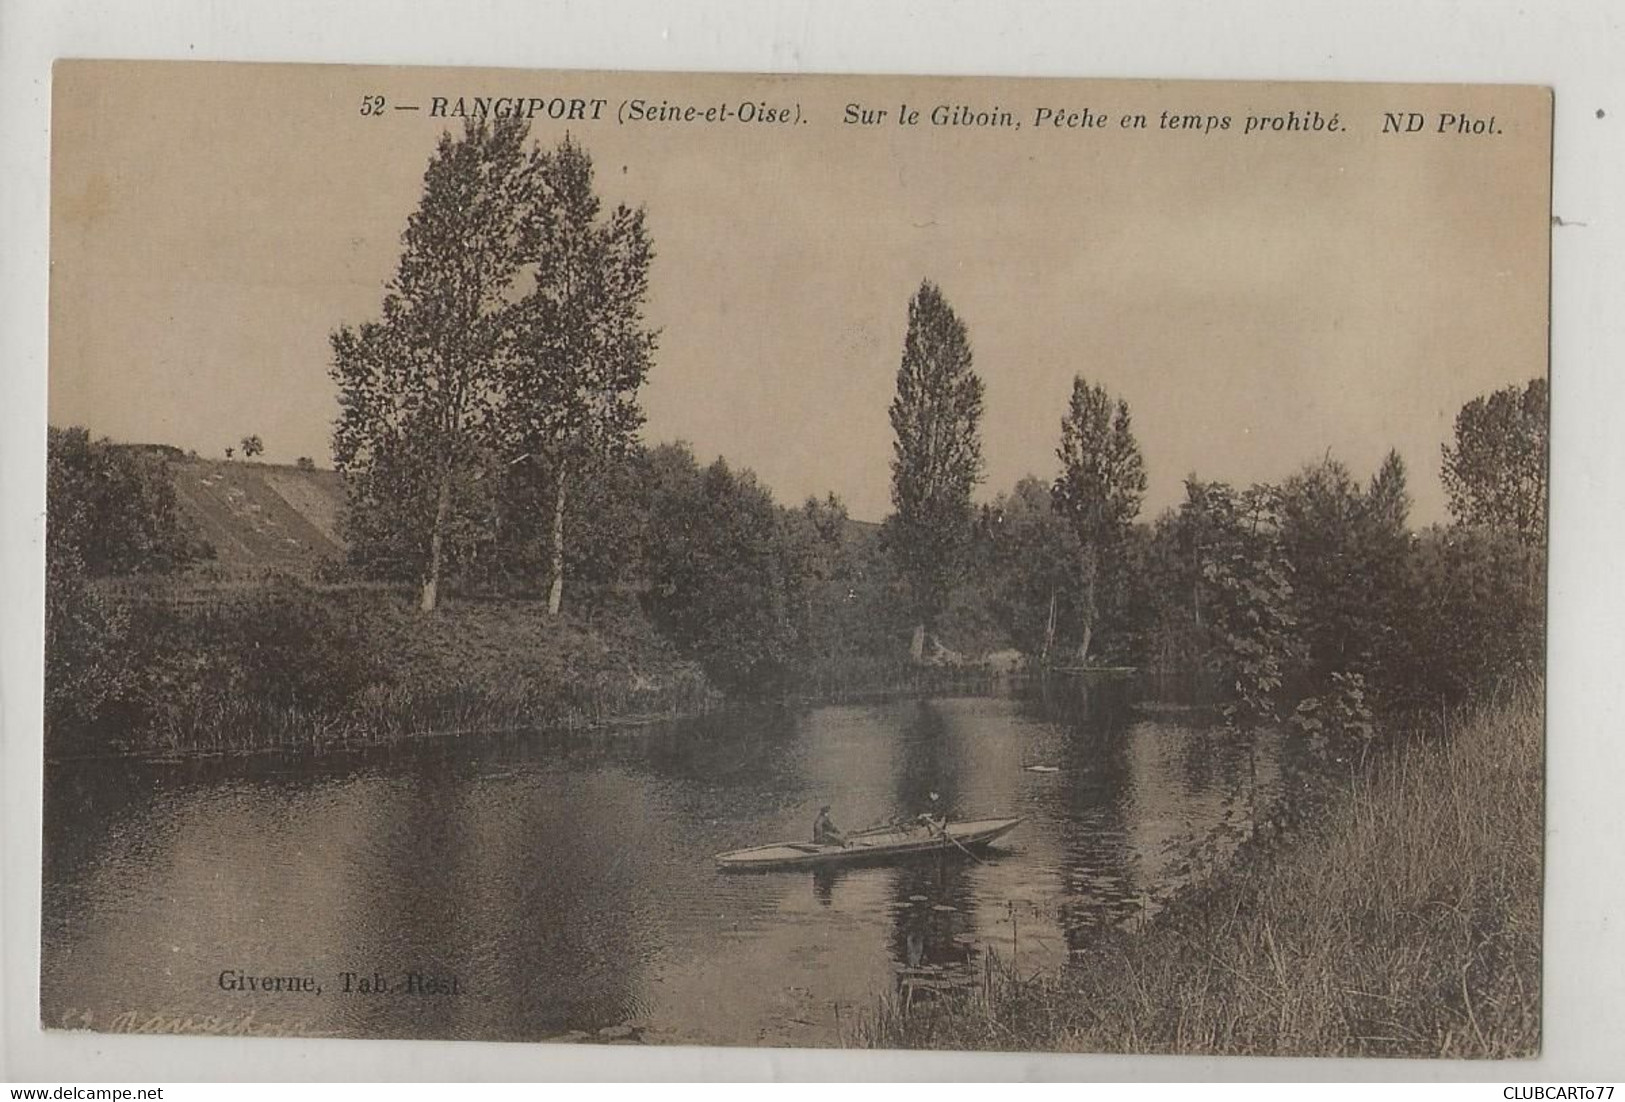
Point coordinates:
[[861, 562]]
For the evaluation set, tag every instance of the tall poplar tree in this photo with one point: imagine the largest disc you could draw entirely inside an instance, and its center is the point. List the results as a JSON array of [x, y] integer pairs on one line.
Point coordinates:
[[1099, 489], [937, 455], [582, 347], [418, 388]]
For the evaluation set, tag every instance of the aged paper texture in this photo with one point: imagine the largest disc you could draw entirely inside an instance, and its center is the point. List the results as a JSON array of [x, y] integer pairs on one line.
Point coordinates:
[[639, 558]]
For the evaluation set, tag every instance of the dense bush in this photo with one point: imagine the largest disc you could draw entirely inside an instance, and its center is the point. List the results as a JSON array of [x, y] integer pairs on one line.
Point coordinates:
[[110, 510], [508, 663], [88, 664], [1473, 615]]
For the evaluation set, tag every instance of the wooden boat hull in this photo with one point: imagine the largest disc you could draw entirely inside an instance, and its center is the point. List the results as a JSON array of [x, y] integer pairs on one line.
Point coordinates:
[[869, 845]]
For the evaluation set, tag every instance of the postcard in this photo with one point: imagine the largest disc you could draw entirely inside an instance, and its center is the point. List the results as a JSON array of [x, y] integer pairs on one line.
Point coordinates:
[[631, 558]]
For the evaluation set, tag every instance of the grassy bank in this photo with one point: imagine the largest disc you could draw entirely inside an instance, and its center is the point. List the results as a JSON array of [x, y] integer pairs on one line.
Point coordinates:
[[286, 666], [1405, 923], [201, 665]]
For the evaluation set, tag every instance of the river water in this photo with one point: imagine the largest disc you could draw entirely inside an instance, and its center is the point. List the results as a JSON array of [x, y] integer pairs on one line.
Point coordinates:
[[548, 886]]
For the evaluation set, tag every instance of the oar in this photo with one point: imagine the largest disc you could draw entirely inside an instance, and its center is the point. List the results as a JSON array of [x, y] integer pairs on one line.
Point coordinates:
[[961, 846]]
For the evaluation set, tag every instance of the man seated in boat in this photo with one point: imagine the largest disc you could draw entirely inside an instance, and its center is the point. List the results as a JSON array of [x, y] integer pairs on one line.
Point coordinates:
[[932, 824], [923, 823], [825, 833]]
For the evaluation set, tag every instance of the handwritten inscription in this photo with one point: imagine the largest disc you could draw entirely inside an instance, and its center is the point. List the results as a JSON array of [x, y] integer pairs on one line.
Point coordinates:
[[247, 1024]]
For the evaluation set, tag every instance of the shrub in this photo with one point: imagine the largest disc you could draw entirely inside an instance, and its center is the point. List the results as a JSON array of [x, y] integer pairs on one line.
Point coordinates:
[[1339, 718], [1474, 615], [112, 509]]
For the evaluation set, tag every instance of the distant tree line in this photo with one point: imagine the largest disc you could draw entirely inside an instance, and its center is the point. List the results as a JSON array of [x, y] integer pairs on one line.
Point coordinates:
[[1314, 590], [1308, 601]]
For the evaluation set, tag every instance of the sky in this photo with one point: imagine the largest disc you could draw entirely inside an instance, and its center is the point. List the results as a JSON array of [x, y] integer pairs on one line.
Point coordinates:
[[1260, 300]]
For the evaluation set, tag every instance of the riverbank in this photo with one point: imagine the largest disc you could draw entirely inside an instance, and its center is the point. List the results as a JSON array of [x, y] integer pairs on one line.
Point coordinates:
[[286, 666], [189, 668], [1405, 923]]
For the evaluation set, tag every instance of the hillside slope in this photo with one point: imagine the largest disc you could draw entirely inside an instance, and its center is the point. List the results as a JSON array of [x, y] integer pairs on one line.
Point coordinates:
[[261, 516]]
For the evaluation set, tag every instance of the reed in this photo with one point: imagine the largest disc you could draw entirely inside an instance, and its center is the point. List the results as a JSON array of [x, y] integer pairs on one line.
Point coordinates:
[[1406, 922]]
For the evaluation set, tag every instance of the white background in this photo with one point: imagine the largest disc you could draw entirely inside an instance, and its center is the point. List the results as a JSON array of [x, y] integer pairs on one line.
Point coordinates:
[[1578, 48]]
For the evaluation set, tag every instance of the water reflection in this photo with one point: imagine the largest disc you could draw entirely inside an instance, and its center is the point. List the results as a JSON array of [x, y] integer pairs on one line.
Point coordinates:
[[933, 940], [568, 882]]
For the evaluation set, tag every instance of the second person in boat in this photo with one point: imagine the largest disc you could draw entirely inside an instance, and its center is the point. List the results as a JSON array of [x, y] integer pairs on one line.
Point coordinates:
[[825, 833]]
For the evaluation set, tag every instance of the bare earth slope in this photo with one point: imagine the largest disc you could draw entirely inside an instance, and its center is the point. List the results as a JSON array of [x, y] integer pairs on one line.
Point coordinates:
[[260, 516]]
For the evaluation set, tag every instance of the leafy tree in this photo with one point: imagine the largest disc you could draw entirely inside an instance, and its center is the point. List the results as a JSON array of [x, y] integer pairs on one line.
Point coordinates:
[[1495, 474], [937, 456], [842, 597], [1035, 551], [828, 521], [110, 510], [583, 349], [1175, 608], [418, 389], [252, 446], [817, 562], [1477, 599], [1348, 547], [1099, 489], [1388, 547], [972, 618], [1473, 613], [1320, 515], [305, 463], [1339, 717], [717, 586], [1388, 499], [1133, 604], [818, 575], [1248, 594], [610, 527], [230, 451]]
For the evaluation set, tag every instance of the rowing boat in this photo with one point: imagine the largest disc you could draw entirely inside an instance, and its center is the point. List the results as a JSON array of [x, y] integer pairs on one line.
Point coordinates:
[[870, 845]]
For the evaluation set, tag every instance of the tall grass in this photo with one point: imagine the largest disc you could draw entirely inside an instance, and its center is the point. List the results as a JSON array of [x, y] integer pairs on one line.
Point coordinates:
[[1407, 922]]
